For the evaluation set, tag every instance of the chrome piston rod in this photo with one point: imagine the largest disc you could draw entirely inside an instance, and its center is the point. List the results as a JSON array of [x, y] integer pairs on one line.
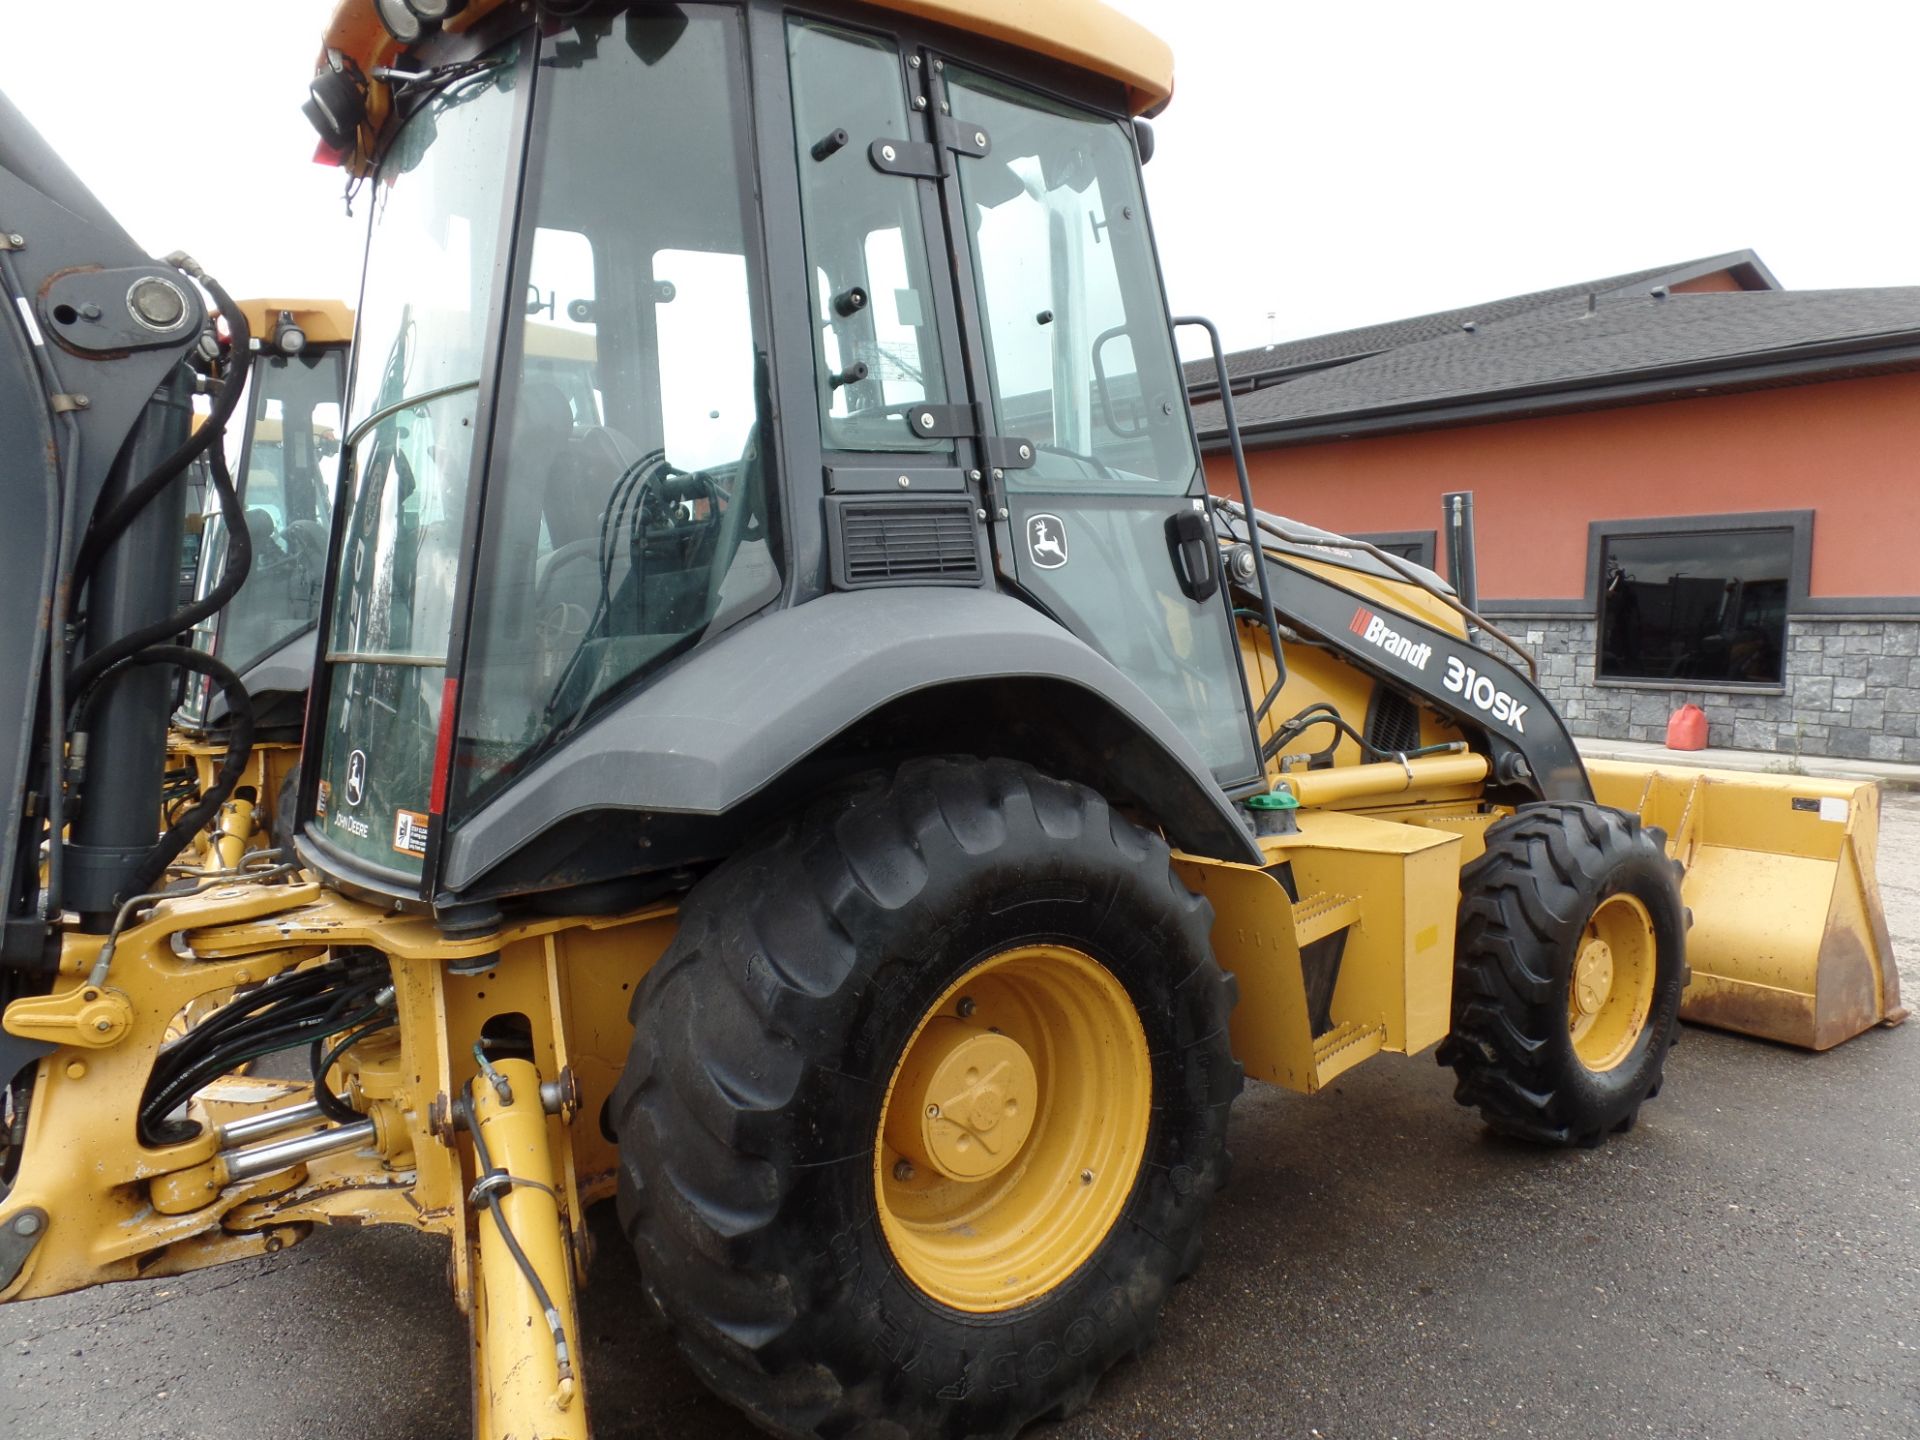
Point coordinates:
[[269, 1122], [258, 1160]]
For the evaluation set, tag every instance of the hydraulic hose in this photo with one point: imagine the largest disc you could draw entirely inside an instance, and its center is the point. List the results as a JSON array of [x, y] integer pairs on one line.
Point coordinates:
[[233, 574]]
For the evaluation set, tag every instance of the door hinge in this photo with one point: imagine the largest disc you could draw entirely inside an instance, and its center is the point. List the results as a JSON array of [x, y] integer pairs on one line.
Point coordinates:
[[925, 160], [971, 422]]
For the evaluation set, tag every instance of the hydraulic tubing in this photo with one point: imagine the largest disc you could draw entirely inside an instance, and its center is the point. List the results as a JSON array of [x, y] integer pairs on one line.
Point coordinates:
[[1388, 777]]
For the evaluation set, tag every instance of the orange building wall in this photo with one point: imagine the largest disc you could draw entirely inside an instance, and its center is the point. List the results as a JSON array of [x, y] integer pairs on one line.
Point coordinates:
[[1720, 280], [1847, 450]]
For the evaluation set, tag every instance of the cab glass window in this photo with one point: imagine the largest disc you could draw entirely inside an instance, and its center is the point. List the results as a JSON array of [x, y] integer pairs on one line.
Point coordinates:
[[877, 349], [627, 508], [284, 476], [1078, 344], [438, 202]]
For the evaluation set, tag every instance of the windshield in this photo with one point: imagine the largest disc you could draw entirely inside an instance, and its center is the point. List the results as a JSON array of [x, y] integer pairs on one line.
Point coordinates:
[[424, 318], [626, 511], [283, 461]]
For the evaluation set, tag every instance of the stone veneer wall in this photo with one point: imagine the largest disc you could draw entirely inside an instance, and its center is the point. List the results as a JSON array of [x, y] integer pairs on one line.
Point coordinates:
[[1852, 690]]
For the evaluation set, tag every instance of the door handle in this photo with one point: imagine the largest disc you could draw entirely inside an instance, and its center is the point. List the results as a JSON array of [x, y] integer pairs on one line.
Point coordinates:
[[1196, 555]]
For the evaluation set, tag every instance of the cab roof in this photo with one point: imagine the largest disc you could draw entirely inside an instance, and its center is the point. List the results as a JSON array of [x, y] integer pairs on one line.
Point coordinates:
[[1087, 34]]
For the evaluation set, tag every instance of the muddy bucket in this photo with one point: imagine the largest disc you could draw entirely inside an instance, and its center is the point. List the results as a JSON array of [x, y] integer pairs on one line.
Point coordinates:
[[1789, 939]]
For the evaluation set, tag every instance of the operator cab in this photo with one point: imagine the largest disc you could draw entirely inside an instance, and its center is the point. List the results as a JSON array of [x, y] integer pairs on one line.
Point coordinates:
[[677, 317]]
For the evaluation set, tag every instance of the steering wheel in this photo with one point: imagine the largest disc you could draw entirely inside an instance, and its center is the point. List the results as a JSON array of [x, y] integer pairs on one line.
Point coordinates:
[[1093, 462], [570, 553]]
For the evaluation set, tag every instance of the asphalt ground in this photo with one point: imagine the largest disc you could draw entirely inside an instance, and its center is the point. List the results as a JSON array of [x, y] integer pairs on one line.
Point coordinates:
[[1744, 1263]]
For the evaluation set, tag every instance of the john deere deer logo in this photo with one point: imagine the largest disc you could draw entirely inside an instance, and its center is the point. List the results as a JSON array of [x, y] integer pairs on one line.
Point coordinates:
[[1047, 541], [356, 777]]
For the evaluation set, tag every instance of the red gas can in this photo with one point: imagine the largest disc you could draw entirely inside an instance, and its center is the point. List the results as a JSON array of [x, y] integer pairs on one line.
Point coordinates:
[[1687, 729]]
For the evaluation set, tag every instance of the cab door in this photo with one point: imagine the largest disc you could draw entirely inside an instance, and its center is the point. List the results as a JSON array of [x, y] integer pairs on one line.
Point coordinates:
[[1091, 477]]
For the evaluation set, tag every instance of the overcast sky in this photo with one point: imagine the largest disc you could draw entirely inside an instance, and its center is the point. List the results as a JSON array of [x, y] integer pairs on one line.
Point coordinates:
[[1325, 165]]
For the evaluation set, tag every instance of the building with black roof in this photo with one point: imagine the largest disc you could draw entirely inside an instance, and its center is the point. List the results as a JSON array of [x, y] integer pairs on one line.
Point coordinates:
[[1690, 484]]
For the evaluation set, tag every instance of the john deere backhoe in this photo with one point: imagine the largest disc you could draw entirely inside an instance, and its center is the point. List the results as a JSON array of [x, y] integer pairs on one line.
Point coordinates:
[[824, 784]]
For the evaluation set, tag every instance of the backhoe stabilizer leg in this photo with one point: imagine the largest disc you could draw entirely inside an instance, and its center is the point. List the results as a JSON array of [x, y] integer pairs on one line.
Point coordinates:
[[525, 1327]]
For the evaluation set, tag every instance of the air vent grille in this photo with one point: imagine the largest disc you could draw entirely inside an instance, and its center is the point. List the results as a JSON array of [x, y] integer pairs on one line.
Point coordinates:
[[909, 542], [1394, 723]]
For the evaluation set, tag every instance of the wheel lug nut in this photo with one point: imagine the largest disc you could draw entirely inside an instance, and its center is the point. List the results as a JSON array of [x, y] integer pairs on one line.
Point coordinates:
[[966, 1007], [903, 1170], [1086, 1177], [933, 1112]]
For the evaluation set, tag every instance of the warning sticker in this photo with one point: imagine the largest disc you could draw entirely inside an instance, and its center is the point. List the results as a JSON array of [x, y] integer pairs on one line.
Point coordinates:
[[410, 832], [320, 801]]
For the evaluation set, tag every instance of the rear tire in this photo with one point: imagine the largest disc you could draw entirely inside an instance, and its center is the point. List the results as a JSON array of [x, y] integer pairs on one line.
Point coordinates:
[[1567, 979], [769, 1042]]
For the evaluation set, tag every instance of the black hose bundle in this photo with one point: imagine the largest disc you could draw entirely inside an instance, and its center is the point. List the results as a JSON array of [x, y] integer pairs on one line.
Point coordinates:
[[294, 1008]]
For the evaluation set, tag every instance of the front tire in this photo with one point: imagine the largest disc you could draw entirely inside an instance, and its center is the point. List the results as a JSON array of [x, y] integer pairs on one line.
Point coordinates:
[[969, 938], [1567, 979]]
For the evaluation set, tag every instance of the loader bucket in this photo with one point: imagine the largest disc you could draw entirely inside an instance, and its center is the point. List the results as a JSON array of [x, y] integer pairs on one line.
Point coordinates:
[[1789, 939]]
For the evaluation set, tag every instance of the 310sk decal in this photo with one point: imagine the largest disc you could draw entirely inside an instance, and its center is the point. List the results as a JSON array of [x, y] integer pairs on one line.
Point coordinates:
[[1460, 678]]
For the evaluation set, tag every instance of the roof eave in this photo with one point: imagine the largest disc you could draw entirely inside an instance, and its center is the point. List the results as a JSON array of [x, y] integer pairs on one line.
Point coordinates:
[[1809, 364]]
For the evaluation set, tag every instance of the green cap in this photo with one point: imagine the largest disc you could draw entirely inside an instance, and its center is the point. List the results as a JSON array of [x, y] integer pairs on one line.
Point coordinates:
[[1273, 800]]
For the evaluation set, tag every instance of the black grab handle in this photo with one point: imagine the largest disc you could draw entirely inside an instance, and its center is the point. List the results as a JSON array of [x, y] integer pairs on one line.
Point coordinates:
[[1195, 553]]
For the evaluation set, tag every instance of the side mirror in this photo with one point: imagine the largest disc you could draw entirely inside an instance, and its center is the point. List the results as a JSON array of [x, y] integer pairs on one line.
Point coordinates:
[[1143, 139]]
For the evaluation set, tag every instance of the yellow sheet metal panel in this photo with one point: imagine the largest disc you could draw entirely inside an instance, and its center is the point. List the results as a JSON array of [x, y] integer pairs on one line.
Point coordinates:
[[1394, 596], [325, 322], [1398, 966], [1396, 886], [1253, 938]]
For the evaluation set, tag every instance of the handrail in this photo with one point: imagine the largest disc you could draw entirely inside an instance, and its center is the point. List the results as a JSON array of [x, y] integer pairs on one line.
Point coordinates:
[[1246, 494]]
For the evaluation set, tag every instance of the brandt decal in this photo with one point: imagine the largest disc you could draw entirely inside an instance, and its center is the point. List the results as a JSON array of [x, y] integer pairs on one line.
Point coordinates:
[[1375, 631]]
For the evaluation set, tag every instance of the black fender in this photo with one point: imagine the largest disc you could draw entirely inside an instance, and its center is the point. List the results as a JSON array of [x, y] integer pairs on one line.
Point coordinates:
[[719, 732], [278, 683]]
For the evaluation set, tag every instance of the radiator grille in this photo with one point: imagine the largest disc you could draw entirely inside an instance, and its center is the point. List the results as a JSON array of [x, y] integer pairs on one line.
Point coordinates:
[[909, 542], [1393, 722]]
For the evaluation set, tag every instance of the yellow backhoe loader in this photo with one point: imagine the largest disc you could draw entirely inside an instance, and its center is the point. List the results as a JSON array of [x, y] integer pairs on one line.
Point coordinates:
[[824, 782]]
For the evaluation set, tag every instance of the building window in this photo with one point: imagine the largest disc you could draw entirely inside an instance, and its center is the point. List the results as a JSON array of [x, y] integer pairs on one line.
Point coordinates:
[[1414, 545], [1695, 606]]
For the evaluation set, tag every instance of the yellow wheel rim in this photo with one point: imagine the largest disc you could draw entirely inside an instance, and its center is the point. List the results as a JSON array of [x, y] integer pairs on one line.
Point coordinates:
[[1610, 993], [1013, 1128]]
